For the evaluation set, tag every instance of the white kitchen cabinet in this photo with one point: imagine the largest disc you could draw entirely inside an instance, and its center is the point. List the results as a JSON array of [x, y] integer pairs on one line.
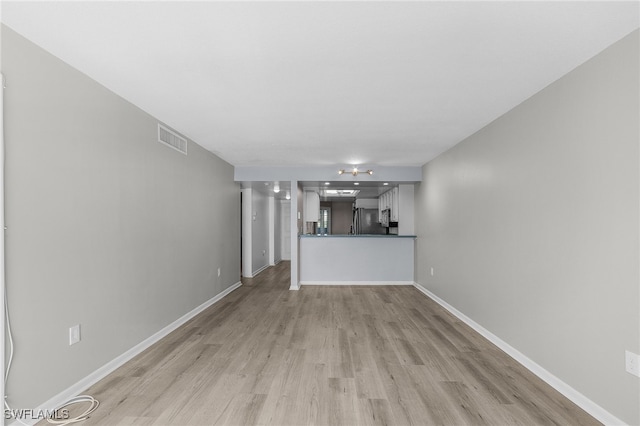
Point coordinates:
[[311, 206], [388, 200], [394, 200], [383, 204], [395, 205]]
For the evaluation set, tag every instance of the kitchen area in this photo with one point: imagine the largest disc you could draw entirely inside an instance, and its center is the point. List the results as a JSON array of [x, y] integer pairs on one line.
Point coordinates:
[[350, 228], [357, 234]]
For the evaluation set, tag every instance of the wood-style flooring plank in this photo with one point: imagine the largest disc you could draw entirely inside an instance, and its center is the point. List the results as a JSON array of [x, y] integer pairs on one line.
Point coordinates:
[[326, 355]]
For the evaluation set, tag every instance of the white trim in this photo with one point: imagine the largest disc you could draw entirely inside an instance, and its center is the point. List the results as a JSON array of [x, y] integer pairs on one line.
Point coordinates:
[[576, 397], [117, 362], [275, 262], [256, 272], [356, 283]]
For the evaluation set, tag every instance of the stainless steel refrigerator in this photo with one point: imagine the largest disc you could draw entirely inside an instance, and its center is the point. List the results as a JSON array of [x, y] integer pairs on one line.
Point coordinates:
[[365, 221]]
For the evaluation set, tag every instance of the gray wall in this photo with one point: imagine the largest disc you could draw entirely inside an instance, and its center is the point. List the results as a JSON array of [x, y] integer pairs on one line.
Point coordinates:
[[107, 228], [531, 226], [341, 216]]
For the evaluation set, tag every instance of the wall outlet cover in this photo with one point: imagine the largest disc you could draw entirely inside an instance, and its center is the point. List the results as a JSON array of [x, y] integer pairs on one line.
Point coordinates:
[[74, 334], [632, 363]]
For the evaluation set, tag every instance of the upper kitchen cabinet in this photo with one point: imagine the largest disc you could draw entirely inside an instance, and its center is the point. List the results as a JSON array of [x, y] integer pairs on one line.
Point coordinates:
[[399, 202], [395, 204], [386, 202], [389, 201], [311, 206]]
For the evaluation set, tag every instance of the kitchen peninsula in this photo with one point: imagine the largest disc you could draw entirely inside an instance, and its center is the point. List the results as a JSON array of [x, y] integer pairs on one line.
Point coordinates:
[[376, 247], [356, 259]]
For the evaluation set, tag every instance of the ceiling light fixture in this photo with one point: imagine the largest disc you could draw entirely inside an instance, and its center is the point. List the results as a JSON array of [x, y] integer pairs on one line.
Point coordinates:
[[276, 188], [356, 183], [288, 195], [340, 193], [355, 171]]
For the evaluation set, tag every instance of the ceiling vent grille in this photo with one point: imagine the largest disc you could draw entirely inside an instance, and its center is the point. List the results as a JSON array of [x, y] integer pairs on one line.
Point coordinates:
[[172, 139]]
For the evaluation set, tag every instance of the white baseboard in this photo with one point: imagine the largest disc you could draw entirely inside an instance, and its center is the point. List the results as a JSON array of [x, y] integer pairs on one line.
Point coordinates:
[[254, 273], [114, 364], [356, 283], [576, 397]]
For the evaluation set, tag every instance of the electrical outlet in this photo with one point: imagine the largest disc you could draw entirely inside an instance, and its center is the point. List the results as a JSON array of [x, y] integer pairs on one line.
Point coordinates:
[[632, 362], [74, 334], [218, 272]]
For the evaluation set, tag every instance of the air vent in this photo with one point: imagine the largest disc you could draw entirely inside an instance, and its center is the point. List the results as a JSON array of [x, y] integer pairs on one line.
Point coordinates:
[[172, 139]]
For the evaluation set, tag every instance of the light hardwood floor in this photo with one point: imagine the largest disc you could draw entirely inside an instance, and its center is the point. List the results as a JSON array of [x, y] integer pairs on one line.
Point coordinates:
[[326, 356]]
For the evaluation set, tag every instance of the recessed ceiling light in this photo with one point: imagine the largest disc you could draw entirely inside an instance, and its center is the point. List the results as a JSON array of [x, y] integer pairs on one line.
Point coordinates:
[[356, 183], [385, 184], [327, 183], [341, 192]]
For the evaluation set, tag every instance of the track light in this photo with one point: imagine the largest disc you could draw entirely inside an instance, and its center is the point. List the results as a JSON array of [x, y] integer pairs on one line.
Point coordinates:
[[355, 171]]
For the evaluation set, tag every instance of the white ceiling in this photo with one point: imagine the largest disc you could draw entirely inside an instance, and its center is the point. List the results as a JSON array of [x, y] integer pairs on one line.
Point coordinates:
[[324, 83]]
